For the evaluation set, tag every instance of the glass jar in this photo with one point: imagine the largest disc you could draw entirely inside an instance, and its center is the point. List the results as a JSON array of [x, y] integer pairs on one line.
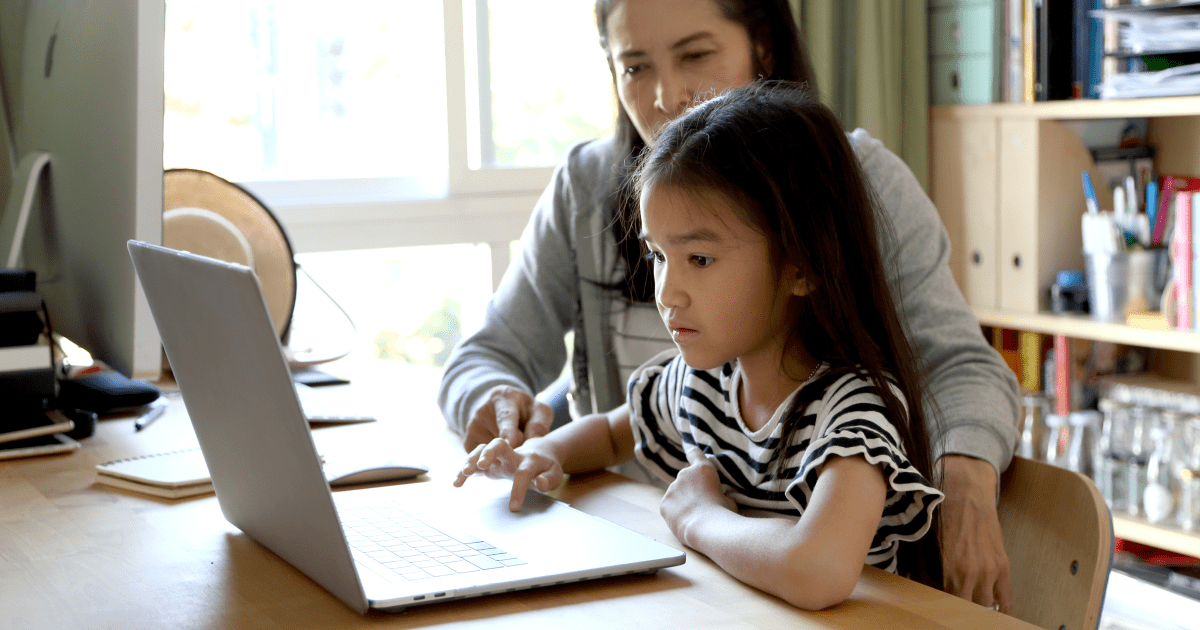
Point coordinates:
[[1033, 427], [1084, 425], [1140, 446], [1112, 454], [1160, 496], [1189, 475], [1056, 439]]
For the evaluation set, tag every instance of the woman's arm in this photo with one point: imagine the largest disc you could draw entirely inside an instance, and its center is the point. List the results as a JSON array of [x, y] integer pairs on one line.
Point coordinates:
[[812, 563], [519, 350], [973, 429]]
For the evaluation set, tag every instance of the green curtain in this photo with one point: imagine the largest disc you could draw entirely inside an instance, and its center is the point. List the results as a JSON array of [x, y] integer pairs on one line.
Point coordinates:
[[871, 59]]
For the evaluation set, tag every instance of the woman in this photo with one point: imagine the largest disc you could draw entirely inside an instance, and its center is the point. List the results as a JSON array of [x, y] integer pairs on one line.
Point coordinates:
[[580, 271]]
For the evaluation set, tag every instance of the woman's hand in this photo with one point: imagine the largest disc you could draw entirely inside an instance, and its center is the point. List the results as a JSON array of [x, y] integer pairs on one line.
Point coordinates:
[[508, 413], [696, 488], [975, 564], [498, 460]]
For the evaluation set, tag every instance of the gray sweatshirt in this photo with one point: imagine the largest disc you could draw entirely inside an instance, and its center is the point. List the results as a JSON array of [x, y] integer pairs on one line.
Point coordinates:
[[549, 290]]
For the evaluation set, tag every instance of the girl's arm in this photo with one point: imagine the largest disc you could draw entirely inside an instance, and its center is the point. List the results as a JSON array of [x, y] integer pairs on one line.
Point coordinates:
[[812, 563], [590, 443]]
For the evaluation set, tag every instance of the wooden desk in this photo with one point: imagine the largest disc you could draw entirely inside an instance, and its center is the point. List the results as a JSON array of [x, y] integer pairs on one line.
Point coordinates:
[[77, 555]]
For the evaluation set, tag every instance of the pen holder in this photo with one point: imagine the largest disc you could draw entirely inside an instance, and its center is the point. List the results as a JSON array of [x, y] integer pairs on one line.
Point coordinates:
[[1126, 282]]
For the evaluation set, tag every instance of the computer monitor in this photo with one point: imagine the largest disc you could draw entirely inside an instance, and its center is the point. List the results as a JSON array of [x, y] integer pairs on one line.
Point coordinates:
[[88, 90]]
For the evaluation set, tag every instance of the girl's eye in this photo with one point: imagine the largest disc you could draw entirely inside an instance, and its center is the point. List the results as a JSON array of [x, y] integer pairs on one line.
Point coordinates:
[[702, 261], [634, 70], [697, 54], [655, 257]]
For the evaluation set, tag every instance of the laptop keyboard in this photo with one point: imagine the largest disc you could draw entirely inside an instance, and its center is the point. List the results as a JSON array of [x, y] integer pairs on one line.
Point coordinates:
[[386, 536], [318, 407]]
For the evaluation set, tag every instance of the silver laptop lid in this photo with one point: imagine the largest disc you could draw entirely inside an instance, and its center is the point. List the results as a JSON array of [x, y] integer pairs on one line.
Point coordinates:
[[266, 473]]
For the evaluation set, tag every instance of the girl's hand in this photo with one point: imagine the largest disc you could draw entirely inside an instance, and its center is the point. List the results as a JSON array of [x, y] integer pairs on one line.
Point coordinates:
[[696, 488], [498, 460]]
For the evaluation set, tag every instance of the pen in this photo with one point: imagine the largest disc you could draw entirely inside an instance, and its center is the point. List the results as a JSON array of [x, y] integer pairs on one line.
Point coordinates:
[[1089, 194], [1164, 209], [1151, 201], [143, 421]]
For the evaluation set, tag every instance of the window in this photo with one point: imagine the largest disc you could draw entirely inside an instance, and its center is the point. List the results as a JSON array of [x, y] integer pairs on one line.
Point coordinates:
[[409, 307], [392, 138], [294, 91], [367, 102], [532, 101]]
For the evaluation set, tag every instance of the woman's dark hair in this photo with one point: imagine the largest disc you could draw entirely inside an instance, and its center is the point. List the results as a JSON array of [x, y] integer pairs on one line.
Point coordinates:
[[772, 29], [782, 160]]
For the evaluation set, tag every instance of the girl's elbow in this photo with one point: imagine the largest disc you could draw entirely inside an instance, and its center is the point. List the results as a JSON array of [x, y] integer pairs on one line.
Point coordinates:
[[821, 595], [818, 586]]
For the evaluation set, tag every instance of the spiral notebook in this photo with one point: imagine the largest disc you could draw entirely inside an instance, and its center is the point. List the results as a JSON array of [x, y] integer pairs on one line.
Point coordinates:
[[172, 475]]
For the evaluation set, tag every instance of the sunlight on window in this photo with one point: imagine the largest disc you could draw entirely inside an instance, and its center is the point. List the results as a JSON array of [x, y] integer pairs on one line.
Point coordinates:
[[409, 305], [550, 83], [275, 90]]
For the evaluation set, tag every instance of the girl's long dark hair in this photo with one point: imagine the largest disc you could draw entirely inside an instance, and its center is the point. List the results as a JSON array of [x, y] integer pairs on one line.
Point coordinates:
[[785, 164], [772, 29]]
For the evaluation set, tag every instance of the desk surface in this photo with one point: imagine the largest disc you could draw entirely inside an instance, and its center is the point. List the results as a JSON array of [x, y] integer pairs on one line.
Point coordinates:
[[78, 555]]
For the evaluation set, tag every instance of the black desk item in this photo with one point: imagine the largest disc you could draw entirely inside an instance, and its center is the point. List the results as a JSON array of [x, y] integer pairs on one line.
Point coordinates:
[[103, 392]]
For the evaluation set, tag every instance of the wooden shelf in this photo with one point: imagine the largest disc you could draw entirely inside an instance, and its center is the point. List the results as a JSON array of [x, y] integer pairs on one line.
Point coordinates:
[[1083, 327], [1077, 109], [1163, 537]]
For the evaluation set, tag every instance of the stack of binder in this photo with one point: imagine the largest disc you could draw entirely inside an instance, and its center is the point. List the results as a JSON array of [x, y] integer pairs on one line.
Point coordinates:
[[27, 380]]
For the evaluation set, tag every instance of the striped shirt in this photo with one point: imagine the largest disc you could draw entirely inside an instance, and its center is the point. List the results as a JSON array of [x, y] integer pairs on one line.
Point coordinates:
[[673, 405]]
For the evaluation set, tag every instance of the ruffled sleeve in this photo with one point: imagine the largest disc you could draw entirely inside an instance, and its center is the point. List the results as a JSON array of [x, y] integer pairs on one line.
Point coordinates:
[[653, 389], [853, 422]]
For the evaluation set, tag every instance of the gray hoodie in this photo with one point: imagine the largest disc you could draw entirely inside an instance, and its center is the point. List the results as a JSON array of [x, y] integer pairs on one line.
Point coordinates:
[[549, 290]]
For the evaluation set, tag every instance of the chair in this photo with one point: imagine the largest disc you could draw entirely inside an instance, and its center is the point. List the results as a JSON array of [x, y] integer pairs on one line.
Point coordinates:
[[1058, 534]]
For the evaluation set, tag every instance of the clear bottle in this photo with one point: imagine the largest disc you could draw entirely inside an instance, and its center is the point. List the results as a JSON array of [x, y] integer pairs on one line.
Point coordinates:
[[1140, 446], [1033, 426], [1112, 454], [1160, 496], [1080, 449], [1055, 441], [1188, 474]]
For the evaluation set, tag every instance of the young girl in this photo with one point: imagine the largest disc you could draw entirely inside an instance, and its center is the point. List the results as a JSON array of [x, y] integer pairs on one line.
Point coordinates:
[[789, 419]]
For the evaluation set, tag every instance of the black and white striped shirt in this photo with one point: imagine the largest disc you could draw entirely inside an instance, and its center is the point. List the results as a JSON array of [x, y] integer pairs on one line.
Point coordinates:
[[673, 405]]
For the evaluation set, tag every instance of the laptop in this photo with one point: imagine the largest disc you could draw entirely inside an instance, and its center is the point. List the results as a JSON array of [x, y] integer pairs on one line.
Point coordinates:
[[383, 548]]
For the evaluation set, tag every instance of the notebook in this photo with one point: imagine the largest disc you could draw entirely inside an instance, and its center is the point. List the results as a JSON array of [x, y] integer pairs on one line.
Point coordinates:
[[184, 473], [383, 548], [171, 475]]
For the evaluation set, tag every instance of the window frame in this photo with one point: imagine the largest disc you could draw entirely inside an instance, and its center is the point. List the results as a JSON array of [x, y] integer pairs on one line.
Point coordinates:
[[484, 205]]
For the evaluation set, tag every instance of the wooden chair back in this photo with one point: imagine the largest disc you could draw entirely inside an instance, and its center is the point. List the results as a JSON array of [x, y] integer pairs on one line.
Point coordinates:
[[1059, 538]]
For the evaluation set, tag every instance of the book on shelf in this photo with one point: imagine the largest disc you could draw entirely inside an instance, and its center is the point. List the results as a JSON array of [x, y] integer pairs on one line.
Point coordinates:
[[1029, 51], [1013, 54], [1054, 36], [1182, 250], [1089, 48]]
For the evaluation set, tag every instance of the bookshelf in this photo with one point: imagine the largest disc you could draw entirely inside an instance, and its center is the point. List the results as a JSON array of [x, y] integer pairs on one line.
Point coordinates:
[[1005, 179]]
